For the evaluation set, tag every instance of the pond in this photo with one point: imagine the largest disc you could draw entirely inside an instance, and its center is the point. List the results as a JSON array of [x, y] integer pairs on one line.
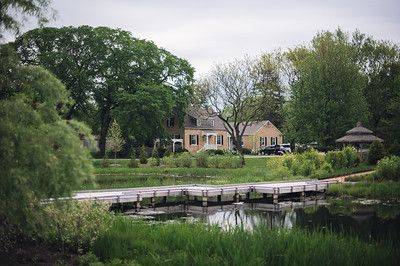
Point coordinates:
[[369, 220]]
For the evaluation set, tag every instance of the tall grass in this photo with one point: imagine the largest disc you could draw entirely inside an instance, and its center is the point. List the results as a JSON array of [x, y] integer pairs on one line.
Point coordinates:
[[385, 190], [195, 244]]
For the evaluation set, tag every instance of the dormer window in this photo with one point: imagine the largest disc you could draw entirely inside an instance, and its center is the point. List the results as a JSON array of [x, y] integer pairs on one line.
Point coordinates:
[[194, 121]]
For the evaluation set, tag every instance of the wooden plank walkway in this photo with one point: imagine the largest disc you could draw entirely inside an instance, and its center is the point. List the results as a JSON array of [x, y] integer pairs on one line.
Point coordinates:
[[203, 192]]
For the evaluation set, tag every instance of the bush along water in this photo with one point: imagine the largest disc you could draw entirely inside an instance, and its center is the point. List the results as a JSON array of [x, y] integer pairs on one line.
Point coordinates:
[[202, 160], [313, 164], [388, 169]]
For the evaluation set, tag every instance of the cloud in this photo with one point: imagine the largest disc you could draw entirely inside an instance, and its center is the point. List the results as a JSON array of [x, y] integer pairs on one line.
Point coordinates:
[[205, 31]]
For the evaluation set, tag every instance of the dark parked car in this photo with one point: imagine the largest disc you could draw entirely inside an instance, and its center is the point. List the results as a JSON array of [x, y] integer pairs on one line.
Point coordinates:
[[275, 150]]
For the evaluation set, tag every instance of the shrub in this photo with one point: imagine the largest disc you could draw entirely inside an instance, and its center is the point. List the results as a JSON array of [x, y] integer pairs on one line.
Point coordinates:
[[105, 163], [153, 161], [184, 160], [215, 152], [168, 161], [388, 168], [143, 155], [133, 163], [73, 225], [350, 157], [201, 159], [345, 158], [376, 152], [246, 151], [306, 163], [214, 161]]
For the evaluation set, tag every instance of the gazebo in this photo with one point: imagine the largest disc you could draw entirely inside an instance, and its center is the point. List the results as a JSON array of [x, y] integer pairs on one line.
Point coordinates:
[[359, 137]]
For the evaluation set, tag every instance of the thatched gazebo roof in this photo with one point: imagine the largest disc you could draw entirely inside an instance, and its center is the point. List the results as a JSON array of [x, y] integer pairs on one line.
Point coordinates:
[[359, 134]]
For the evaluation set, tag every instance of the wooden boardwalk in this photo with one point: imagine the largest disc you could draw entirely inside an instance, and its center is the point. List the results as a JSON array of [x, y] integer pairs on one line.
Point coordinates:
[[204, 192]]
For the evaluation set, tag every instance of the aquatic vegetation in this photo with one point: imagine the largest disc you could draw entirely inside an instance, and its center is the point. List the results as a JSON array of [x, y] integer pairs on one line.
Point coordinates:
[[380, 190], [196, 244]]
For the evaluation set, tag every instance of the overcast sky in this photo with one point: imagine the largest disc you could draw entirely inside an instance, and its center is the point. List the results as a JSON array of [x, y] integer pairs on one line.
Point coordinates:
[[205, 32]]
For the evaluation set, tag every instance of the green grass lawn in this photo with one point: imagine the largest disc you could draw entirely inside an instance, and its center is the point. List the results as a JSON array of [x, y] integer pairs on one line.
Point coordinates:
[[255, 170]]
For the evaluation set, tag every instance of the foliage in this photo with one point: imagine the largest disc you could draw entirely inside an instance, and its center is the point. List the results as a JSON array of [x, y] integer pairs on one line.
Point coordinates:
[[201, 159], [133, 163], [114, 141], [41, 154], [246, 151], [271, 74], [153, 161], [327, 92], [376, 152], [346, 158], [143, 155], [111, 74], [305, 164], [73, 225], [14, 12], [386, 190], [230, 93], [388, 168], [196, 244], [184, 159], [215, 152], [105, 162]]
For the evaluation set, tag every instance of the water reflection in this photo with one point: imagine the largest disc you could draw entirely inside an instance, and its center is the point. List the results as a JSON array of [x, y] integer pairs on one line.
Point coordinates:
[[376, 221]]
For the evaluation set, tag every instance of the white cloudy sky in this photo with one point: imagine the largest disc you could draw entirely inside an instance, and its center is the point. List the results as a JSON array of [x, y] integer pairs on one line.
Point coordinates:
[[205, 32]]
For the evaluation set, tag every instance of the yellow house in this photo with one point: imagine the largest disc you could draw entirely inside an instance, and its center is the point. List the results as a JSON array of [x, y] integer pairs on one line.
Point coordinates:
[[200, 132], [260, 134]]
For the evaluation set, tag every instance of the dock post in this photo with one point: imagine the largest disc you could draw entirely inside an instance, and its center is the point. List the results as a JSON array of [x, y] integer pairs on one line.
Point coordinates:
[[247, 195], [302, 196], [137, 205], [276, 195], [164, 199], [219, 198], [236, 196], [204, 201]]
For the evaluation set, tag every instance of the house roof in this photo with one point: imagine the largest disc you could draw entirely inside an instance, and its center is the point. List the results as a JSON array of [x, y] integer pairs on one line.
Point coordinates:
[[201, 119], [358, 134], [253, 127]]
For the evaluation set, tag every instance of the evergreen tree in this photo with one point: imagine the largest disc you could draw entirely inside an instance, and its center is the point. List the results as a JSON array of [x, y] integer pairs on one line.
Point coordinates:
[[115, 141]]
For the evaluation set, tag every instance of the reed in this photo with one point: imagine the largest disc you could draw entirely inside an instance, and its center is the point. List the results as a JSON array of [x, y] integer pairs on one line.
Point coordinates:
[[385, 190], [196, 244]]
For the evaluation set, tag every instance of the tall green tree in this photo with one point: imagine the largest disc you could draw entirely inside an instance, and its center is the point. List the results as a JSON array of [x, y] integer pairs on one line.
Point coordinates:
[[327, 94], [270, 76], [111, 74], [380, 62], [41, 154]]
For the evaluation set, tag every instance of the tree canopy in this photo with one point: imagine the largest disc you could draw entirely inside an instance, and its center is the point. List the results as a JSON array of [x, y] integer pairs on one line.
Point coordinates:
[[327, 93], [111, 74], [42, 155]]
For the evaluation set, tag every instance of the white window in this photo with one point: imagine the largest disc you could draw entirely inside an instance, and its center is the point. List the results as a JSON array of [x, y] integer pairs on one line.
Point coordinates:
[[212, 123], [263, 141], [171, 122], [220, 140], [273, 140], [193, 140]]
